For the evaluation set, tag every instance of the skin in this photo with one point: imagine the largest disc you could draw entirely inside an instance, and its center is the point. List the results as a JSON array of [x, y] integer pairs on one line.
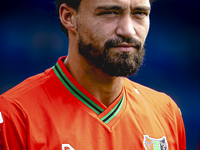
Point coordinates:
[[98, 21]]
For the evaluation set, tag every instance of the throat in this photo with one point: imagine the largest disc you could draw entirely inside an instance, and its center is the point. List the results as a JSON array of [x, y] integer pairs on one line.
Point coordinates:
[[106, 93]]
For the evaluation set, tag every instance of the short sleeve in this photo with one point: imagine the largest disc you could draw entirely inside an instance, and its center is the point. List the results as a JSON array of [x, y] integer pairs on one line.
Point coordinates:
[[13, 128], [180, 127]]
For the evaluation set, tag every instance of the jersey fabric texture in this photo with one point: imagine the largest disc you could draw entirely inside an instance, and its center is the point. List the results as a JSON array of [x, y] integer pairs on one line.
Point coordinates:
[[52, 111]]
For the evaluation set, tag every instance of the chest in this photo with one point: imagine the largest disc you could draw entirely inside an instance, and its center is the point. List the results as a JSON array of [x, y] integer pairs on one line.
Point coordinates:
[[79, 129]]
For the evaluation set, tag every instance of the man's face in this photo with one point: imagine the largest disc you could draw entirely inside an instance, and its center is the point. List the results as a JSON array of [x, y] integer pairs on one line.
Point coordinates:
[[111, 34]]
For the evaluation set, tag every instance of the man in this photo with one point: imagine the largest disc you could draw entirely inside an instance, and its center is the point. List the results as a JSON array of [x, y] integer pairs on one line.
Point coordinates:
[[85, 102]]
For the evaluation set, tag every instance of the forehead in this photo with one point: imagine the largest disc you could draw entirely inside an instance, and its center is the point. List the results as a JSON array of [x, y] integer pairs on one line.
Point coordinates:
[[123, 3]]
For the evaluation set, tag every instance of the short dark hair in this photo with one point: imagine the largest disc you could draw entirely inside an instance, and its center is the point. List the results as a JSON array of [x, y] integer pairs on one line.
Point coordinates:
[[73, 4]]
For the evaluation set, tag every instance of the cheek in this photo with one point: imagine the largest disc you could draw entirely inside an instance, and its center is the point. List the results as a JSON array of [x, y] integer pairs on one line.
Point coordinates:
[[143, 30], [146, 29], [147, 24], [100, 33], [96, 32], [85, 32]]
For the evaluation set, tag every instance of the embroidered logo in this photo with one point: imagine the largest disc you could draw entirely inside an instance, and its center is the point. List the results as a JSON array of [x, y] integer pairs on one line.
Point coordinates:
[[67, 147], [155, 144], [1, 118]]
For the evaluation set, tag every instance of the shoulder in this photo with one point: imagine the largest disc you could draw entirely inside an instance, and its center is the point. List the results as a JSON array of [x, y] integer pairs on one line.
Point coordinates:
[[144, 90], [156, 102], [151, 97], [28, 90], [27, 87]]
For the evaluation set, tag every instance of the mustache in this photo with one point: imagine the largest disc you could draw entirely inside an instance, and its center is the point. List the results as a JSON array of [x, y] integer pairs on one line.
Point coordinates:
[[112, 42]]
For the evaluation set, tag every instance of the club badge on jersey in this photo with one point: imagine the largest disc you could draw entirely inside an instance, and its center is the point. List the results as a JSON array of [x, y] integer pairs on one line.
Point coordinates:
[[155, 144]]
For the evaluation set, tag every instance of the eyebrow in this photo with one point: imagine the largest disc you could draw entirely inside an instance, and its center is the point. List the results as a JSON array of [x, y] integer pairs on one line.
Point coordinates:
[[142, 8], [115, 7], [108, 7]]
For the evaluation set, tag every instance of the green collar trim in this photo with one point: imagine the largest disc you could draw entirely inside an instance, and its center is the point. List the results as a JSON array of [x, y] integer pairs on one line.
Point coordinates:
[[84, 99], [108, 117]]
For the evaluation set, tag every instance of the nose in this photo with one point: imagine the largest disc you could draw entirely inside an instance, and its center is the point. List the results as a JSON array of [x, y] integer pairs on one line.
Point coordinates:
[[125, 27]]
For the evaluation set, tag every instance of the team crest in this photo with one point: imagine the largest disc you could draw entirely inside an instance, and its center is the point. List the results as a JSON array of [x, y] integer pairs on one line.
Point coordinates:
[[155, 144]]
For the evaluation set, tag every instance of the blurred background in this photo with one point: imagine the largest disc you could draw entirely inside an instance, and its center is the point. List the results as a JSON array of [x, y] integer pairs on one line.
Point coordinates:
[[31, 41]]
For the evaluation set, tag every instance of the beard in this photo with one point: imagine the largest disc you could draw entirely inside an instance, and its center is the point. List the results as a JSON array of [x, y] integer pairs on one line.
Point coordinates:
[[113, 63]]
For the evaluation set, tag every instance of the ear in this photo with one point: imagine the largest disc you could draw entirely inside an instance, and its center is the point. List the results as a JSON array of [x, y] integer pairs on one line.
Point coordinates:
[[67, 17]]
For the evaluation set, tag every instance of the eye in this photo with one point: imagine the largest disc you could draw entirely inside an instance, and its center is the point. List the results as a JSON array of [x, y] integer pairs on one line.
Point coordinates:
[[108, 13], [140, 14]]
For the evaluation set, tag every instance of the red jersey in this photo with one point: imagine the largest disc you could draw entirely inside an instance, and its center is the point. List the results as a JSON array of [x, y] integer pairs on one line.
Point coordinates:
[[52, 111]]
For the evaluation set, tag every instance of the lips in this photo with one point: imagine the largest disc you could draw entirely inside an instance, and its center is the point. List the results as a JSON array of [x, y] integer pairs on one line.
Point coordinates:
[[125, 47]]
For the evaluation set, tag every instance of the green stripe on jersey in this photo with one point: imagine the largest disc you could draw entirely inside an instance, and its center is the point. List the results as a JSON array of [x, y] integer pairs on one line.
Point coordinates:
[[108, 117], [76, 92]]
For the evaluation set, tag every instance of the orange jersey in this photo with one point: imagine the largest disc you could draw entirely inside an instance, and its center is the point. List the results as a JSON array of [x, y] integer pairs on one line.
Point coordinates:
[[52, 111]]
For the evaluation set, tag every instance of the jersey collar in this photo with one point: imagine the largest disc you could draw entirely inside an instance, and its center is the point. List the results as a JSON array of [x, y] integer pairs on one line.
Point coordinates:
[[105, 114]]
